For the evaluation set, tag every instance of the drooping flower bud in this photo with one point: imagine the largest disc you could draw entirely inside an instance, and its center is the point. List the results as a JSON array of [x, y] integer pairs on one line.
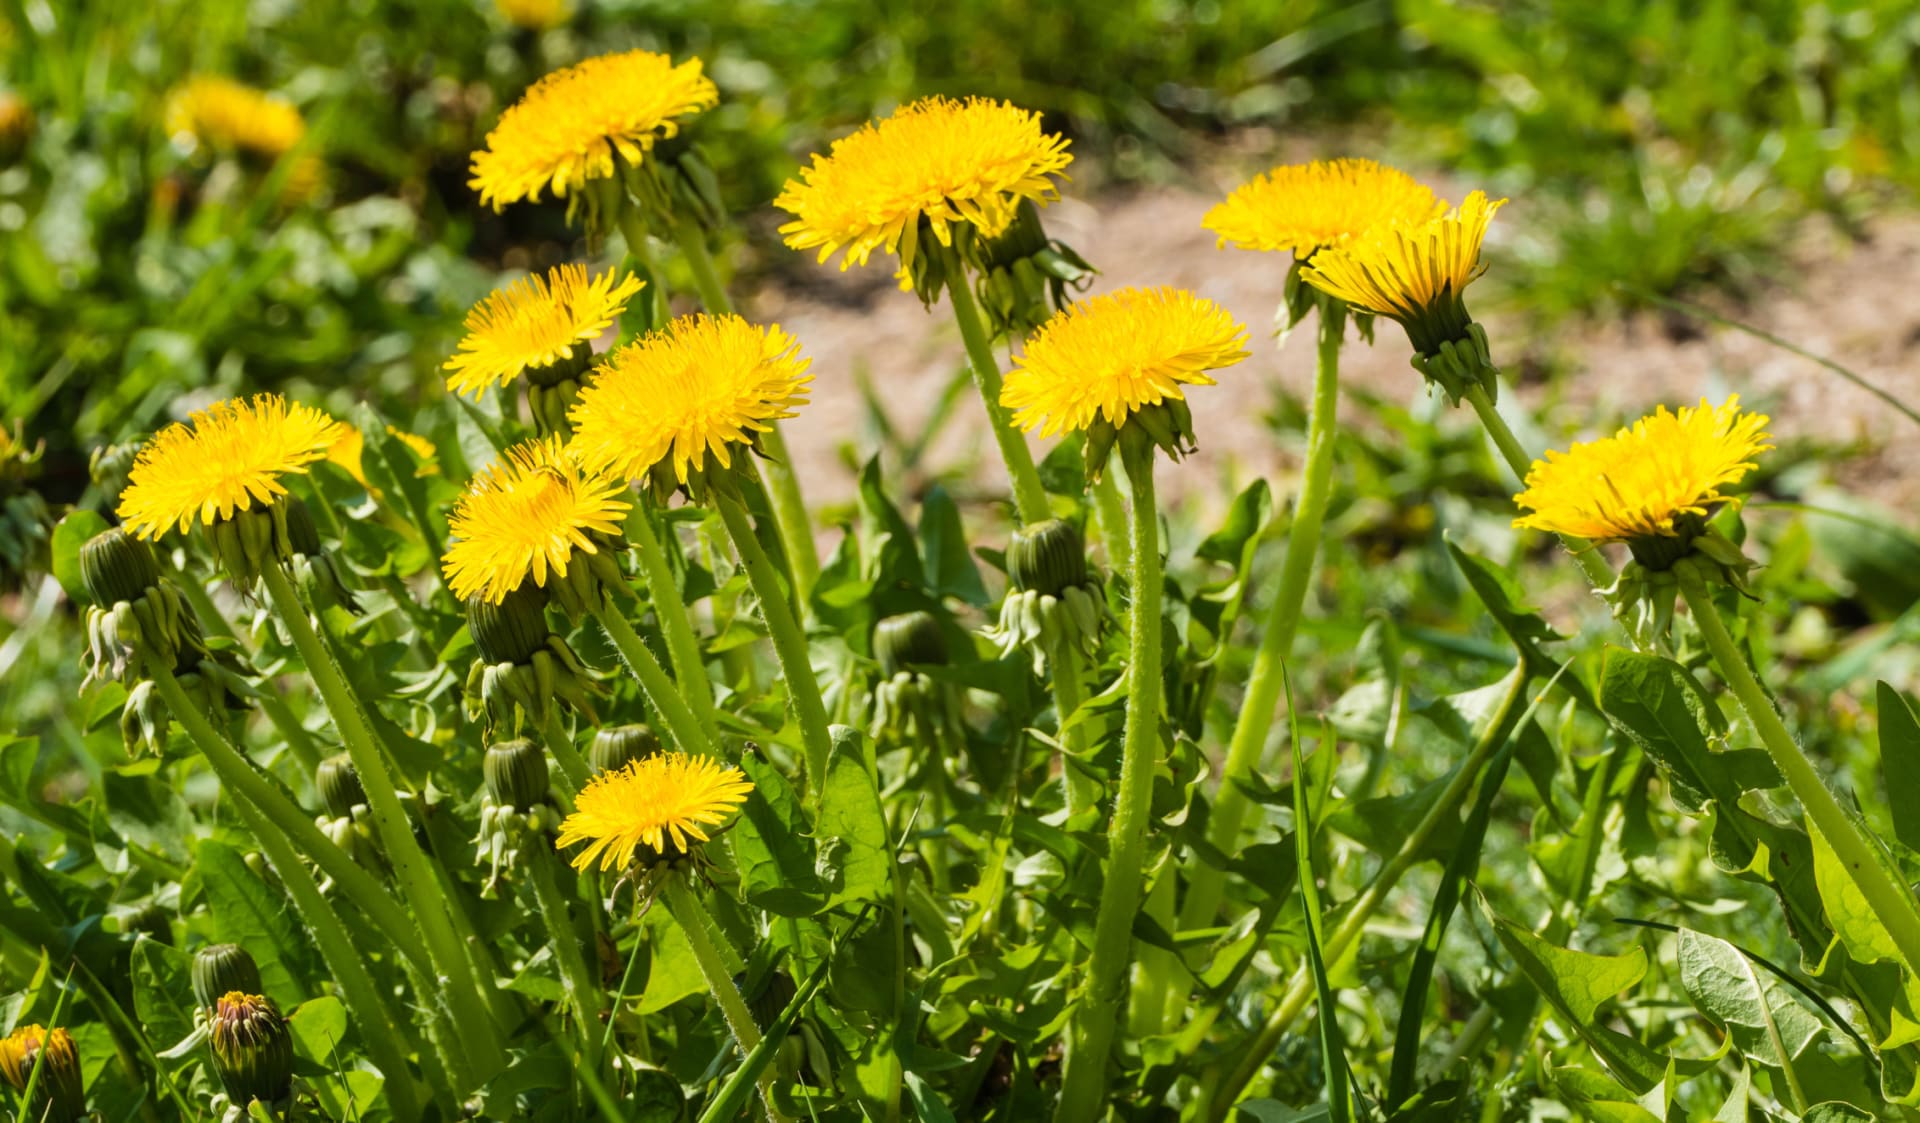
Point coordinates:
[[339, 784], [1025, 276], [1054, 597], [1046, 557], [117, 567], [252, 1048], [617, 746], [909, 639], [511, 631], [517, 774], [221, 968], [58, 1095], [523, 665]]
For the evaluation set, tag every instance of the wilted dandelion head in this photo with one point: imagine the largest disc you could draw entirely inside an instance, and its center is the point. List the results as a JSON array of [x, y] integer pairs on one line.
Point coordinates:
[[536, 322], [1412, 272], [225, 458], [1303, 208], [1109, 356], [699, 387], [524, 516], [1647, 480], [224, 114], [664, 802], [568, 128], [20, 1049], [938, 160]]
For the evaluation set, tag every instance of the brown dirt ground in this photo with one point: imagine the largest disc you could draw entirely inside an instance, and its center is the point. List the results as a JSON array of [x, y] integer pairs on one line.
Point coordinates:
[[856, 321]]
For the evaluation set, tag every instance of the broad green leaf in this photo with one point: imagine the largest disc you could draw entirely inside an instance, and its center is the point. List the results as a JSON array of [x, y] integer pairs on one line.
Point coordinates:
[[319, 1026], [1860, 931], [1734, 1110], [943, 548], [247, 913], [1836, 1112], [772, 847], [1753, 1006], [672, 973], [1504, 601], [1900, 763], [162, 991], [852, 829], [69, 534]]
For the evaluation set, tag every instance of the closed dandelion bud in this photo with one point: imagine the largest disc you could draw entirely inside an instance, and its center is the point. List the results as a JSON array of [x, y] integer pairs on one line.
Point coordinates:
[[1047, 557], [339, 784], [516, 774], [116, 566], [617, 746], [108, 466], [223, 968], [58, 1095], [1025, 276], [912, 638], [511, 631], [252, 1048]]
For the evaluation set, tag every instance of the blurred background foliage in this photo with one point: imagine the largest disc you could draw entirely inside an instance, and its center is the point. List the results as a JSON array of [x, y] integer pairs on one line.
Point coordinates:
[[1664, 144]]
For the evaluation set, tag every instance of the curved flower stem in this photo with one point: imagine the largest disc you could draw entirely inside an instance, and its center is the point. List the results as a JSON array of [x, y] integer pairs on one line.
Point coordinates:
[[275, 707], [1068, 694], [538, 858], [1892, 901], [789, 506], [244, 779], [691, 914], [1029, 495], [1083, 1086], [1250, 729], [789, 642], [479, 1033], [573, 766], [1344, 938], [683, 647], [1592, 563], [654, 682]]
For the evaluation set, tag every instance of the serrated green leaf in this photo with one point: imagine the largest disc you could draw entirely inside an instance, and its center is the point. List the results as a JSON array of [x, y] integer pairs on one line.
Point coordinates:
[[1751, 1005], [247, 913], [1853, 919], [852, 826]]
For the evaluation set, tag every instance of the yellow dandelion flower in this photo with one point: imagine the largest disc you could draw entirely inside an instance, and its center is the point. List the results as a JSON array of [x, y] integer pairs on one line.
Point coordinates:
[[1302, 208], [225, 458], [567, 129], [524, 516], [940, 160], [534, 15], [536, 322], [663, 802], [59, 1093], [1646, 481], [698, 387], [348, 451], [225, 114], [1413, 272], [1109, 356]]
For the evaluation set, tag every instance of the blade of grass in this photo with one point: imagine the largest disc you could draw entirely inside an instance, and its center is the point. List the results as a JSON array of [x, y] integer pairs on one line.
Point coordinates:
[[1333, 1049]]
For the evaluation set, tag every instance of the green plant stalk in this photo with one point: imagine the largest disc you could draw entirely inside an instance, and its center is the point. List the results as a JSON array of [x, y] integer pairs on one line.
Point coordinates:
[[1069, 692], [573, 766], [683, 647], [1083, 1086], [479, 1033], [1111, 515], [371, 1014], [539, 860], [240, 776], [654, 682], [1148, 1009], [1892, 902], [789, 642], [789, 506], [1029, 495], [1208, 883], [1346, 937], [272, 704], [691, 914], [1599, 573]]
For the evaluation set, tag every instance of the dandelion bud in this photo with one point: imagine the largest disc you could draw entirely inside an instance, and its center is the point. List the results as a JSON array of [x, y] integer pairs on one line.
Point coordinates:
[[252, 1048], [517, 775], [339, 784], [1046, 557], [221, 968], [912, 638], [617, 746], [511, 631], [1025, 277], [117, 567], [58, 1094]]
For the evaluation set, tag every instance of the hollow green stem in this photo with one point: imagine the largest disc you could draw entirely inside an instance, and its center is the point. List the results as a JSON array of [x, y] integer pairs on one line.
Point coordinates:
[[1069, 692], [573, 766], [479, 1033], [691, 914], [271, 703], [1892, 902], [654, 682], [683, 647], [244, 779], [789, 642], [1083, 1089], [538, 859], [1110, 513], [789, 506], [1029, 495], [1256, 719], [1592, 563]]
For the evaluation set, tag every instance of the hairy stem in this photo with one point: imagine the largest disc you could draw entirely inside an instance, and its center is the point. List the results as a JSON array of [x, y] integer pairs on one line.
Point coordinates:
[[1029, 496]]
